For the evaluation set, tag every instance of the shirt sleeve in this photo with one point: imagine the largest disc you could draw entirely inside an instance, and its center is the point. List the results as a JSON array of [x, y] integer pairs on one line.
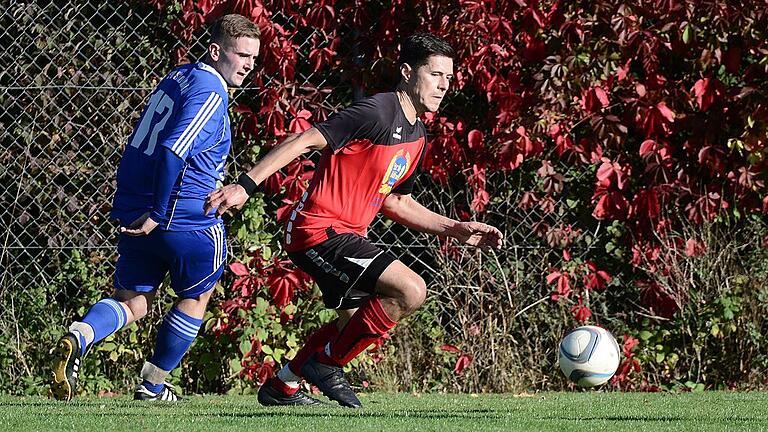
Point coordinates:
[[167, 170], [361, 120], [194, 123]]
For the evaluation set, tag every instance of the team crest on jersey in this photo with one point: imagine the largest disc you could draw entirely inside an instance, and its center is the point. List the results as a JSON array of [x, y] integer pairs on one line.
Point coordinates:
[[398, 166]]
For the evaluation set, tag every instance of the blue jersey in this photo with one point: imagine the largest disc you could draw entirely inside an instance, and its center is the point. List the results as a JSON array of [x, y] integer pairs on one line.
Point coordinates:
[[186, 118]]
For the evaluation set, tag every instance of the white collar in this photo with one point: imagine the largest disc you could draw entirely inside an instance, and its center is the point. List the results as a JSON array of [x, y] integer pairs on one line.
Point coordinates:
[[211, 69]]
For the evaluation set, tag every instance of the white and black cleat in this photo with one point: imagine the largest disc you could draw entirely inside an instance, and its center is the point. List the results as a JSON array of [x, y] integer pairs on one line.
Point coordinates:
[[66, 367], [166, 394]]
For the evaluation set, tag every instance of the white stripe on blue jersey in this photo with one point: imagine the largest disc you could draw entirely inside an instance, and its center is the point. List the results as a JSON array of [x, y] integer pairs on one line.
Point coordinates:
[[205, 113]]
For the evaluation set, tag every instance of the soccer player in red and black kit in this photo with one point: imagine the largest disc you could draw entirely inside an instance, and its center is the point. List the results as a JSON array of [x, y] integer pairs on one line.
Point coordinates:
[[370, 155]]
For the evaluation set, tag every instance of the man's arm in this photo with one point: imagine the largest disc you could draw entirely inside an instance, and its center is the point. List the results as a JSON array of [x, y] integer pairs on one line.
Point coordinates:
[[167, 170], [405, 210], [235, 195]]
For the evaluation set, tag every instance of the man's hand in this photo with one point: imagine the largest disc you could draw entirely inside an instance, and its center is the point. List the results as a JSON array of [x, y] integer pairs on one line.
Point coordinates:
[[140, 227], [224, 198], [478, 234]]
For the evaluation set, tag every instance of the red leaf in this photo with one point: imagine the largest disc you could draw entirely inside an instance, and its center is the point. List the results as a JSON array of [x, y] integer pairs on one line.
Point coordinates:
[[656, 120], [301, 122], [239, 269], [707, 91], [480, 200], [694, 248], [529, 200], [629, 344], [266, 371], [657, 299], [594, 99], [581, 313], [449, 348], [563, 288], [282, 285], [611, 173], [475, 140], [611, 206], [648, 146], [645, 204], [462, 362], [665, 111], [553, 276]]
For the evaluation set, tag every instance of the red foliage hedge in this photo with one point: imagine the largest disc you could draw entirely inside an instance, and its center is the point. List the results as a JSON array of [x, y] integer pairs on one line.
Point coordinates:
[[662, 104]]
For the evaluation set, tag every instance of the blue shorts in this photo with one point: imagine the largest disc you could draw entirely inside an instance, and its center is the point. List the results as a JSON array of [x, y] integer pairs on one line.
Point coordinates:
[[194, 259]]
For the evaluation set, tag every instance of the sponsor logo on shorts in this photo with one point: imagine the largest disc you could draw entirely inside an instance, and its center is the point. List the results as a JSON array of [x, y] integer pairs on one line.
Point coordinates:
[[326, 266]]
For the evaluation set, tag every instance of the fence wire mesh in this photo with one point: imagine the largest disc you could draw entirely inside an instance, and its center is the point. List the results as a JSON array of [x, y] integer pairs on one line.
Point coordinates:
[[76, 75]]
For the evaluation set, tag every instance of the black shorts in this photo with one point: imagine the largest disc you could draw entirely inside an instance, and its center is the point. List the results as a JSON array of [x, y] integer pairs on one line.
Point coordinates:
[[345, 267]]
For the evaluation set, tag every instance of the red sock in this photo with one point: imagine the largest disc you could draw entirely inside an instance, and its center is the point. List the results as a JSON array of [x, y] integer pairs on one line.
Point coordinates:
[[276, 383], [367, 325], [315, 342]]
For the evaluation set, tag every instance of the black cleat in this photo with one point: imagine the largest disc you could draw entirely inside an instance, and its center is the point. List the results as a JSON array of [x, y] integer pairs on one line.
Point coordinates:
[[331, 381], [166, 394], [271, 396], [66, 367]]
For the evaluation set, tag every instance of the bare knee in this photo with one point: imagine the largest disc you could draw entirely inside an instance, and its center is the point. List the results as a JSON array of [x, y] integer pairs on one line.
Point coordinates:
[[411, 295], [401, 290], [137, 303], [195, 306]]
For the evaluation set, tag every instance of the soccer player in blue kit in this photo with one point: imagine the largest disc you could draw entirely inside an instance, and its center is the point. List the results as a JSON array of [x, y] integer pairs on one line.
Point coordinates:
[[173, 159]]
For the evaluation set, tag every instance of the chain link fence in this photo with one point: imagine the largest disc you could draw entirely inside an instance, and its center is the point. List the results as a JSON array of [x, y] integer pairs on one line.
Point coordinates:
[[76, 75]]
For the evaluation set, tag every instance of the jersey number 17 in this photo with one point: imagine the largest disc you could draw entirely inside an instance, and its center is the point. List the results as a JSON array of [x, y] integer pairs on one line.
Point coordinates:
[[159, 103]]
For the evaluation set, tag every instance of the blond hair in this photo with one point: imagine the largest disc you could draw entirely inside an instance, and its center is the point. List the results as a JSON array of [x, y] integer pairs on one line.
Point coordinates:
[[233, 26]]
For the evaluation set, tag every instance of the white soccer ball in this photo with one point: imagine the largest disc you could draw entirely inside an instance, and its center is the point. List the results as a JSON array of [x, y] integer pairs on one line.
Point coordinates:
[[589, 355]]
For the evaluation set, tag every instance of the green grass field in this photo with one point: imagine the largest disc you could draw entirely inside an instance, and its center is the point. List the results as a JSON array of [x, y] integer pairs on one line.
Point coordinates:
[[708, 411]]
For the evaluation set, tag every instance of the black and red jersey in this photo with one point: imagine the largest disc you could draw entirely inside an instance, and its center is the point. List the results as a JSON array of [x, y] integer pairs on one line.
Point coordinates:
[[372, 151]]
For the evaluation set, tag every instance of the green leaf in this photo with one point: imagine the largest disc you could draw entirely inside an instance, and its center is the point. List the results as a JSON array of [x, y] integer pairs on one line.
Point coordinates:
[[245, 346], [715, 330], [687, 34], [235, 365], [278, 354]]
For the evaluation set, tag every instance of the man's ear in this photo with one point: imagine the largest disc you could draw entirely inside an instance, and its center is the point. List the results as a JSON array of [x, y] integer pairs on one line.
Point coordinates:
[[214, 51], [405, 72]]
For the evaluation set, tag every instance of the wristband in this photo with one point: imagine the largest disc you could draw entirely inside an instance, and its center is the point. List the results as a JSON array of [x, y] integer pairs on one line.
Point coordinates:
[[247, 183]]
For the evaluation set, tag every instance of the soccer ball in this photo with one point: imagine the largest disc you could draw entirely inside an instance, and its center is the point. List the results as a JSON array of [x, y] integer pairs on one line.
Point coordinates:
[[589, 355]]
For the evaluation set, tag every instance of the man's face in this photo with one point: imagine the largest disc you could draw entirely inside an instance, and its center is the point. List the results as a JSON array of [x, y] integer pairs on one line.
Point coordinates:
[[429, 83], [236, 59]]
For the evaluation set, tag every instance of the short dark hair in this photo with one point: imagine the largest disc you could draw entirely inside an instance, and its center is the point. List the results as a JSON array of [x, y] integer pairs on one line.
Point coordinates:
[[416, 49], [230, 27]]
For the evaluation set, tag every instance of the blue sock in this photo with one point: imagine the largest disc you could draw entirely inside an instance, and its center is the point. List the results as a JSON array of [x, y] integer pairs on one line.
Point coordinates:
[[173, 340], [105, 317]]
